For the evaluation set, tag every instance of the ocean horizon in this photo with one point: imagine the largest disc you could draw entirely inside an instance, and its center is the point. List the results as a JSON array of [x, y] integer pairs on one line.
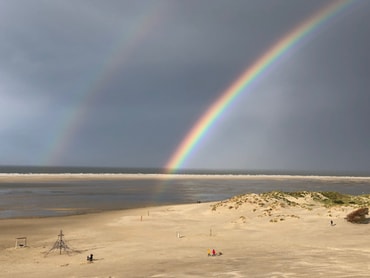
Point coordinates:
[[9, 169]]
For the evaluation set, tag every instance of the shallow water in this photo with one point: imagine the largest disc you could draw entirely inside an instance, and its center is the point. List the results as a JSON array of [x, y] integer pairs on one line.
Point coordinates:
[[75, 196]]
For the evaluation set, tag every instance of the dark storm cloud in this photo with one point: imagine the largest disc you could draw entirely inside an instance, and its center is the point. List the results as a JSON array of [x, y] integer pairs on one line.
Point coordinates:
[[311, 115], [140, 73]]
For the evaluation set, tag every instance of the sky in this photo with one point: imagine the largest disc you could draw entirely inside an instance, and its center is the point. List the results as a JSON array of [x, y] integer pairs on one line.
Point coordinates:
[[121, 83]]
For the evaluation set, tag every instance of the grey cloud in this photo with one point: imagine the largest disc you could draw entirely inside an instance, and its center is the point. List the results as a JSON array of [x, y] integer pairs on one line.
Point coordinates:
[[139, 74]]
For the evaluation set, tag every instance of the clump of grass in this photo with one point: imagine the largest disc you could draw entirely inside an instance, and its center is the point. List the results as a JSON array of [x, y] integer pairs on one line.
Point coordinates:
[[297, 194], [283, 199], [335, 198], [331, 198], [358, 216]]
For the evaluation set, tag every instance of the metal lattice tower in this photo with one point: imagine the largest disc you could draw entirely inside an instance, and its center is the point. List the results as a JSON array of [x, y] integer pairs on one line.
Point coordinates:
[[61, 245]]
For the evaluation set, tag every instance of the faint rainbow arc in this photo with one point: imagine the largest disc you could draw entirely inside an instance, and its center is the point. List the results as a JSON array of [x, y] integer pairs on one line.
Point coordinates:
[[76, 114], [286, 43]]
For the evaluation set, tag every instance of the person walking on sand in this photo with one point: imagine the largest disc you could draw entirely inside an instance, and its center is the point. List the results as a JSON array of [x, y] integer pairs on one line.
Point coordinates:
[[209, 252], [213, 252]]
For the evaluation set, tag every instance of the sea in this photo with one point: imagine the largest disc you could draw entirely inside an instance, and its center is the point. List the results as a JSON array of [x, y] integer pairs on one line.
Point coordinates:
[[89, 190]]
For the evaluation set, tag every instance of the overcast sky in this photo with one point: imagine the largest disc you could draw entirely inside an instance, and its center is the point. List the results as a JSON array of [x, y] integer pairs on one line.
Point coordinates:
[[120, 83]]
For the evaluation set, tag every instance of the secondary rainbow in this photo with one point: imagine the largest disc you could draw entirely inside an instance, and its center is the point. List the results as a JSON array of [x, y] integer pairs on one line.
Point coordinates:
[[87, 92], [240, 85]]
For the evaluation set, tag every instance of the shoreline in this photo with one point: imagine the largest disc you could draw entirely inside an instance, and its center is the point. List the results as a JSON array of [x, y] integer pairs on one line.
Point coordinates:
[[259, 235], [35, 176], [97, 211], [69, 194]]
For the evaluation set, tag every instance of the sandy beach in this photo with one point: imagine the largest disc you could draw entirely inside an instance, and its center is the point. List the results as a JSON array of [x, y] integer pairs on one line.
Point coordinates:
[[258, 236]]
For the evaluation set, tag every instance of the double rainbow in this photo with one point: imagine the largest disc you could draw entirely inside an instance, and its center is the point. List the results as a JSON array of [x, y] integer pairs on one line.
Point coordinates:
[[240, 85]]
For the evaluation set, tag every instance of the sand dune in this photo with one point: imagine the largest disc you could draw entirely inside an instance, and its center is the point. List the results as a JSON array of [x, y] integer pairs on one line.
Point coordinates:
[[261, 235]]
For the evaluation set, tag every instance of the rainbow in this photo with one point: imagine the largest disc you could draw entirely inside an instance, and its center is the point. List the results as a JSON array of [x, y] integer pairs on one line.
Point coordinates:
[[72, 120], [244, 81]]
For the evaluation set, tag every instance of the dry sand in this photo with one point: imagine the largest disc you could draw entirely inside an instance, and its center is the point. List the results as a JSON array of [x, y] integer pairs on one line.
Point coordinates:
[[258, 237]]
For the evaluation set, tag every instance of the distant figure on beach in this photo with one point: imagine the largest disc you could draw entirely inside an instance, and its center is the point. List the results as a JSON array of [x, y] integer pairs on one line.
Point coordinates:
[[90, 258], [332, 223], [213, 252], [209, 252]]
